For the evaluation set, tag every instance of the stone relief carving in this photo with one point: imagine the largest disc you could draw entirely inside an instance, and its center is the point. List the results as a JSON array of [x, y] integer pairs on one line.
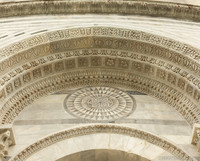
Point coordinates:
[[4, 144], [157, 8], [136, 66], [142, 47], [9, 88], [6, 140], [17, 83], [124, 39], [47, 69], [94, 77], [2, 95], [95, 129], [196, 136]]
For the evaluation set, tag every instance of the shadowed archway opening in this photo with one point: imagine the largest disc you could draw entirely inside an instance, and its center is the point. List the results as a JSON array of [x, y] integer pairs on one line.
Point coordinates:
[[102, 155]]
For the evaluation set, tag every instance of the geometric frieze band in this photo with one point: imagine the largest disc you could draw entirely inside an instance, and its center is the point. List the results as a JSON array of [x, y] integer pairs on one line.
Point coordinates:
[[99, 104], [143, 65], [105, 62], [12, 74], [176, 53], [99, 37], [104, 77]]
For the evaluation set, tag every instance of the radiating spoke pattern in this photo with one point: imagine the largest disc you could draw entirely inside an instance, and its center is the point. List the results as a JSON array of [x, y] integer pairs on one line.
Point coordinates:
[[99, 103]]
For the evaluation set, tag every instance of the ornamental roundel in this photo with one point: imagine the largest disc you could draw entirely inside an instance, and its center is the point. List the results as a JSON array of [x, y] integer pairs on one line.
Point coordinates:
[[102, 104]]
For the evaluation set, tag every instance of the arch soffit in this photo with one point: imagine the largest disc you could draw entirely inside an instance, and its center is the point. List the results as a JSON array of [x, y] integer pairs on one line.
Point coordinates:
[[139, 7], [102, 153], [98, 129], [111, 154]]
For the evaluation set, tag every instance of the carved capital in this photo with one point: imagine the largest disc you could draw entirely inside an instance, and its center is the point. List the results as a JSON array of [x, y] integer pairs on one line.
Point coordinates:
[[6, 140], [196, 136]]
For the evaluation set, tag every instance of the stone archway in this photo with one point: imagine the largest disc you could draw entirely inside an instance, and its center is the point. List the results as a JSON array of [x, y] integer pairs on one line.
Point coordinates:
[[102, 154], [99, 56], [103, 137], [148, 57]]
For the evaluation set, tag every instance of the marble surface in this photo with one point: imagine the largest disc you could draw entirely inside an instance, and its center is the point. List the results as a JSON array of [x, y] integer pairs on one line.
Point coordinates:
[[98, 141], [47, 115], [18, 28], [99, 104]]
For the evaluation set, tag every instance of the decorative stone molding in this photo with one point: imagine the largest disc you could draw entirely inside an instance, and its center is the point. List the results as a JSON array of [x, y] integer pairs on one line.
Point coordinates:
[[6, 140], [142, 64], [196, 136], [149, 8], [139, 67], [104, 77], [99, 37], [27, 67], [102, 38], [95, 129]]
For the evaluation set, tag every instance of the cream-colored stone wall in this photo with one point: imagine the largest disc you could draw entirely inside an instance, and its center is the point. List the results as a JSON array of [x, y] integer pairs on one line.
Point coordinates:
[[148, 46], [47, 115], [16, 29]]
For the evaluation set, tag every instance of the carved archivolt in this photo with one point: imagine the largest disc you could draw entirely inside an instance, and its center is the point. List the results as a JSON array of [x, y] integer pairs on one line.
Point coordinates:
[[130, 61], [95, 129], [171, 10], [94, 77], [154, 58], [99, 37]]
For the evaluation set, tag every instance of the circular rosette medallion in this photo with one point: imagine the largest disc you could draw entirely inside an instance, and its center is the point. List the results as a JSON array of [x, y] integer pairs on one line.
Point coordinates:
[[99, 103]]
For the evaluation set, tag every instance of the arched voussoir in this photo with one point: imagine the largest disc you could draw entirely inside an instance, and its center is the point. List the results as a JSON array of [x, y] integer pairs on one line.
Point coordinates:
[[148, 66], [93, 131], [99, 37], [170, 63], [98, 77]]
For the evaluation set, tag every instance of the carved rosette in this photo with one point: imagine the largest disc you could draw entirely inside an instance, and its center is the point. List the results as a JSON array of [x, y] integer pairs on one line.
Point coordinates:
[[99, 104]]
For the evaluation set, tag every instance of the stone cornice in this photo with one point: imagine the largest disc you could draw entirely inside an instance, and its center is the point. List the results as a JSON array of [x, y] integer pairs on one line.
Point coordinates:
[[103, 128], [136, 7]]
